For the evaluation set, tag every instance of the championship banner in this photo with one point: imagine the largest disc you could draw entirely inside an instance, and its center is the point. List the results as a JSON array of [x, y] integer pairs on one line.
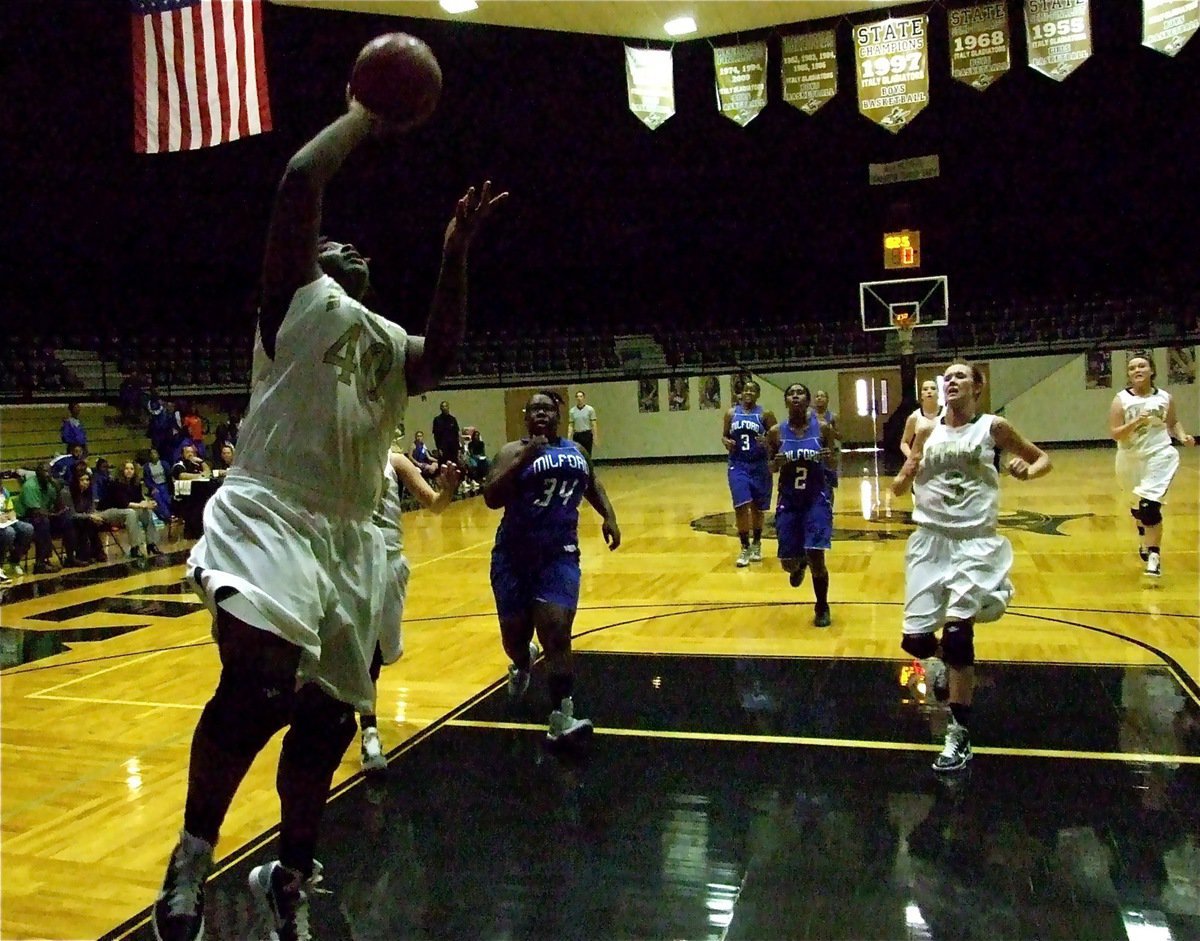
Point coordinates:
[[979, 43], [904, 171], [892, 68], [809, 69], [1059, 36], [650, 79], [1167, 25], [741, 81]]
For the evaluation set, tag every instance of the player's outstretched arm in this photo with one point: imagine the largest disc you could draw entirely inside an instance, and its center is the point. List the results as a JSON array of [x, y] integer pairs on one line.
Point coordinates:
[[290, 261], [597, 496], [411, 480], [430, 357], [1030, 461]]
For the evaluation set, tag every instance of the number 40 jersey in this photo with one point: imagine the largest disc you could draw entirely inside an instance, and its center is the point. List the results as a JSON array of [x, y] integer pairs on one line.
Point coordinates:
[[543, 517]]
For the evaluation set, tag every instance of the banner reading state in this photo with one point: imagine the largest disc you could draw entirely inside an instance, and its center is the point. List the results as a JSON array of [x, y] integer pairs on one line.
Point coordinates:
[[651, 82], [892, 66], [1167, 25], [1059, 36], [979, 43], [809, 69], [741, 81]]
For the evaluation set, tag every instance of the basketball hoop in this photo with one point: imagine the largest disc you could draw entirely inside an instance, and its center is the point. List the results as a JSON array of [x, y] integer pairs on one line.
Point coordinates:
[[904, 322]]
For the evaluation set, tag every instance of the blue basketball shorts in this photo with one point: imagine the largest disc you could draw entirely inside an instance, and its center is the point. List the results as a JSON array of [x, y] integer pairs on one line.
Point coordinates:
[[750, 483], [519, 581], [800, 528]]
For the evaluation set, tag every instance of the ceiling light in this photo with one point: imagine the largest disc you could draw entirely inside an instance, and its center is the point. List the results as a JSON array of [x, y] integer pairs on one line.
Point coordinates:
[[458, 6], [680, 26]]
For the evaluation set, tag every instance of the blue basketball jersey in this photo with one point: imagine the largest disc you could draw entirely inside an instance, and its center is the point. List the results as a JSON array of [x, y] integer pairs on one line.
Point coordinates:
[[749, 433], [544, 514], [804, 477]]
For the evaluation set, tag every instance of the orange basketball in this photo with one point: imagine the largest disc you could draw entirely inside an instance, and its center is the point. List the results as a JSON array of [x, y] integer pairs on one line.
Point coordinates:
[[397, 77]]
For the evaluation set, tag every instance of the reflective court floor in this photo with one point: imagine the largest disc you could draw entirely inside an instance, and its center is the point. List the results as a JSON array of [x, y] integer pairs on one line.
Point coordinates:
[[751, 776], [759, 797]]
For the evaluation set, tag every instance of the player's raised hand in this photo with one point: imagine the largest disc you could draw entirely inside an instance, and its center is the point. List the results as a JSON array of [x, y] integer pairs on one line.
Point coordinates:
[[469, 215], [449, 476]]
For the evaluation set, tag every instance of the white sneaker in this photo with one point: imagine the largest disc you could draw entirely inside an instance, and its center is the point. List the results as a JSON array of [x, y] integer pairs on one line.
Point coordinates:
[[564, 727], [178, 913], [372, 750], [957, 750], [284, 896], [743, 558], [4, 579], [1153, 564], [518, 680], [756, 552]]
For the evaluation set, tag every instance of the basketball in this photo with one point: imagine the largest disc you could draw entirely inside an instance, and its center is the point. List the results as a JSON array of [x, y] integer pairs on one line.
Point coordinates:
[[397, 77]]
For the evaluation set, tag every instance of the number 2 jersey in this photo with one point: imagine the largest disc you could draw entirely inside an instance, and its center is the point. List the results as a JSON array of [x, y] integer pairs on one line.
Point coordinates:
[[323, 410], [542, 518], [749, 434], [804, 478]]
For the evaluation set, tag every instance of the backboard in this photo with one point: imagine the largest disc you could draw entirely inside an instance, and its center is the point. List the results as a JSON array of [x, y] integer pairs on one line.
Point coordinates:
[[917, 302]]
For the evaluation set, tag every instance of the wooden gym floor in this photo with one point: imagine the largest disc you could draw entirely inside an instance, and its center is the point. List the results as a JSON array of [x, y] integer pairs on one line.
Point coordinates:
[[752, 776]]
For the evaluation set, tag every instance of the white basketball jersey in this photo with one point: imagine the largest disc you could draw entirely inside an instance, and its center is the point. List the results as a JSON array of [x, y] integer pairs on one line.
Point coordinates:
[[387, 514], [957, 488], [323, 411], [1153, 437]]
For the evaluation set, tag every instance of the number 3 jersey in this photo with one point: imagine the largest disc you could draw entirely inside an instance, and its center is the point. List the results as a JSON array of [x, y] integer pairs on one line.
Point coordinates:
[[957, 488], [542, 519], [323, 410]]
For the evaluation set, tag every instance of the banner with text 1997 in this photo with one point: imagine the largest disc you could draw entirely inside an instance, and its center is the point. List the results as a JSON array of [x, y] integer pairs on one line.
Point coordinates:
[[979, 43], [892, 65], [741, 81], [1059, 36], [809, 69], [1167, 25], [651, 82]]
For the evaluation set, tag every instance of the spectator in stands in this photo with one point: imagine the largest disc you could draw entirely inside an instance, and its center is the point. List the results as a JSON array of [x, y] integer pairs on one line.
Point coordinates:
[[227, 431], [193, 425], [224, 460], [73, 432], [477, 461], [86, 519], [162, 429], [66, 466], [101, 478], [420, 456], [191, 466], [125, 502], [43, 506], [156, 475], [447, 437], [15, 538]]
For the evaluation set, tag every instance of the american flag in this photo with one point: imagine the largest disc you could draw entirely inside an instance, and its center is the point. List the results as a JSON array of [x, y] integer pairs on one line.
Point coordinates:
[[199, 73]]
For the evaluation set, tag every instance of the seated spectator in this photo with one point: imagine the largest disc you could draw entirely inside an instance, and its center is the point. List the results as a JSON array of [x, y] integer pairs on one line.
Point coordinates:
[[191, 467], [477, 461], [66, 466], [86, 520], [420, 456], [15, 538], [73, 432], [101, 478], [196, 444], [156, 475], [223, 461], [44, 507], [125, 501]]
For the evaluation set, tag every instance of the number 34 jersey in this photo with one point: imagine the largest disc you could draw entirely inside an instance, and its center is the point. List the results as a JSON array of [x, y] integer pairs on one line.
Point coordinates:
[[323, 411], [543, 517]]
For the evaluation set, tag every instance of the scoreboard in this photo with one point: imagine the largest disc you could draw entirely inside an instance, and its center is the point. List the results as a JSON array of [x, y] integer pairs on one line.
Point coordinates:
[[902, 249]]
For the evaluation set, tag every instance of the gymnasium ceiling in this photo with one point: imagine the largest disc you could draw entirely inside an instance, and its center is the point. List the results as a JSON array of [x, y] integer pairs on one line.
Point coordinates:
[[631, 19]]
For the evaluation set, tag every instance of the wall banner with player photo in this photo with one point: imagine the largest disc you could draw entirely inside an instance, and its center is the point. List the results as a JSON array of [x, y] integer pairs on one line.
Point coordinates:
[[650, 78], [741, 80], [1181, 365], [1098, 369], [891, 62], [1059, 36], [679, 394], [647, 395], [1167, 25], [710, 392], [808, 72], [979, 43]]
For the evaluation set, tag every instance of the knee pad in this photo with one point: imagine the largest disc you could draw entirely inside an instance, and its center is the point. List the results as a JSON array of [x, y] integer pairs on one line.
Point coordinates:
[[958, 644], [322, 729], [1149, 512], [921, 646]]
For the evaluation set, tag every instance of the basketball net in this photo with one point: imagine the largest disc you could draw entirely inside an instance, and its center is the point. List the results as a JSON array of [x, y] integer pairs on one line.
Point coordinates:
[[904, 324]]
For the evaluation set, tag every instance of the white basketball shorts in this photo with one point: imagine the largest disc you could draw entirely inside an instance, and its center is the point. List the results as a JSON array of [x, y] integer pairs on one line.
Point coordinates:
[[316, 580], [954, 579], [1147, 475], [391, 620]]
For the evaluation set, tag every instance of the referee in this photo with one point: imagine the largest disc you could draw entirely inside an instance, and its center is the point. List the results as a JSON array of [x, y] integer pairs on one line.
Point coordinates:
[[583, 423]]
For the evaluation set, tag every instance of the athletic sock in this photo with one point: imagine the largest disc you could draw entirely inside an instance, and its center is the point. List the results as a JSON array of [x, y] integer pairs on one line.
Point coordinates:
[[821, 588], [745, 538], [757, 536], [961, 713], [560, 685]]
